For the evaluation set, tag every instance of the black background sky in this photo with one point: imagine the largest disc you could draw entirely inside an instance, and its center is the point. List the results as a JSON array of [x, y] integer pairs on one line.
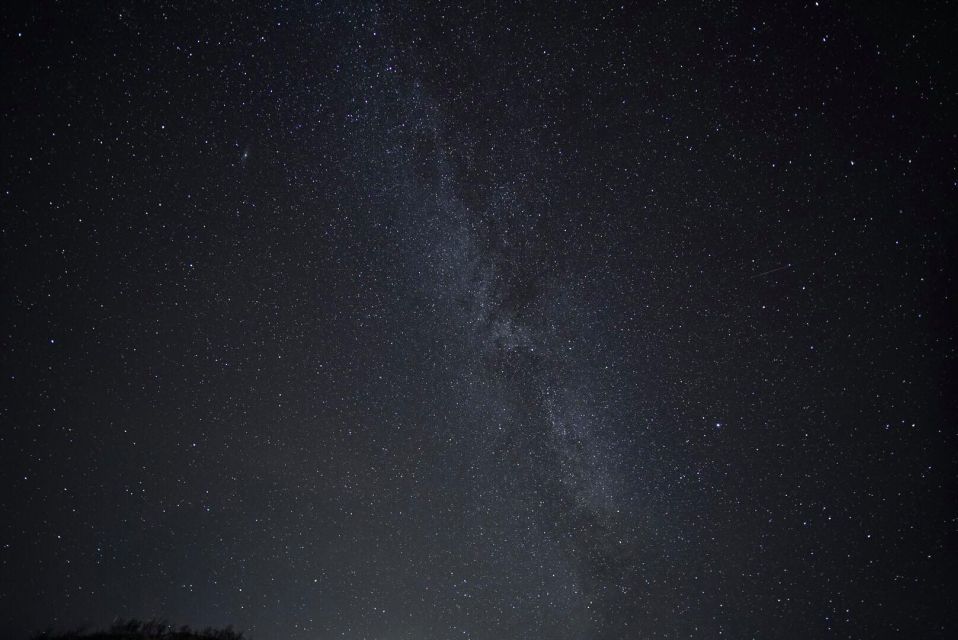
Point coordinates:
[[489, 320]]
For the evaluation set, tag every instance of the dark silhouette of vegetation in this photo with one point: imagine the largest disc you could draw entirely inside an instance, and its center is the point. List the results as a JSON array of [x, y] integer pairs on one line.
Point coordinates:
[[137, 630]]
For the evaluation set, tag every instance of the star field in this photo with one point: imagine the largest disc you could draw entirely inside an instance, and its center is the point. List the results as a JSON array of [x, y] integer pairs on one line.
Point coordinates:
[[479, 320]]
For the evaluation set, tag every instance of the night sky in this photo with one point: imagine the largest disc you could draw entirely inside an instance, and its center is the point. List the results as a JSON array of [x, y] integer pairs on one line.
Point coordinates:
[[495, 321]]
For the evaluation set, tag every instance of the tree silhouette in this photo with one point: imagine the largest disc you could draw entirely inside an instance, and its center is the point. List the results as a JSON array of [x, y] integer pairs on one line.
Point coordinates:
[[139, 630]]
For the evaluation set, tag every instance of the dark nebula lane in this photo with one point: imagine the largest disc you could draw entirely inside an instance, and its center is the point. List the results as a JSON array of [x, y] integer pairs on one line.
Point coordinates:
[[500, 321]]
